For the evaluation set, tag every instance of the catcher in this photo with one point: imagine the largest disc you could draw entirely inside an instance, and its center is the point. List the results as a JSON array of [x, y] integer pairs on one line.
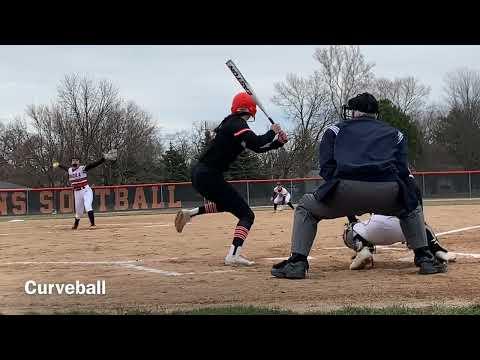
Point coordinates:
[[232, 137], [281, 196], [363, 236], [77, 176]]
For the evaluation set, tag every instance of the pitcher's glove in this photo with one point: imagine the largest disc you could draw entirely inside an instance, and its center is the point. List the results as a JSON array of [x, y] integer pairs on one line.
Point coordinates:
[[111, 155], [55, 164]]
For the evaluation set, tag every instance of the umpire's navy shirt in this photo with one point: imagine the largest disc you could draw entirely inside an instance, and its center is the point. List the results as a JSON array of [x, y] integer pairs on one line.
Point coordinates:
[[363, 149], [366, 149]]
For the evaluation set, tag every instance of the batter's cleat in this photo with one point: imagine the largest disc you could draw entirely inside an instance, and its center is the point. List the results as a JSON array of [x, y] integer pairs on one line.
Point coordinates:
[[363, 258], [92, 227], [182, 218], [290, 270], [237, 260]]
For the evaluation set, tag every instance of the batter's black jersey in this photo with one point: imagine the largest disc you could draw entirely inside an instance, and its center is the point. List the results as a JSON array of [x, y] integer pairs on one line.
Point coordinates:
[[232, 137]]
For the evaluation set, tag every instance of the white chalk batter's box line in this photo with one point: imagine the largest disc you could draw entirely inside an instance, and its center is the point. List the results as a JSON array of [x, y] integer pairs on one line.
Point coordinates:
[[130, 264]]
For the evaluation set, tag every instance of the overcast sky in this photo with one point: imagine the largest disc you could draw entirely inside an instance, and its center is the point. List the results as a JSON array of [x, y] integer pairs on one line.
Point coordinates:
[[179, 85]]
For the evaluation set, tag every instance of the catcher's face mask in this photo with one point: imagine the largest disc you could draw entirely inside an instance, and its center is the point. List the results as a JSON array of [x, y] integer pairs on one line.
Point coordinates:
[[349, 238]]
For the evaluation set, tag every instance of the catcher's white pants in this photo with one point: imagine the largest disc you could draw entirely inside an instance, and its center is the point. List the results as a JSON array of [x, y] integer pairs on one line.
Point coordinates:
[[83, 201], [380, 230], [281, 200]]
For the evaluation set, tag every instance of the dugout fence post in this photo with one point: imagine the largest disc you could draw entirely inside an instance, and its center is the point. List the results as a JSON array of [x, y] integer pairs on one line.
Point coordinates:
[[291, 189], [470, 185], [248, 193], [423, 185]]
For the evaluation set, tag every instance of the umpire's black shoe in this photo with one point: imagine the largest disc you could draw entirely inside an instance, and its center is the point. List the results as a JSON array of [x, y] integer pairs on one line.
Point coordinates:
[[427, 263], [432, 266], [290, 270]]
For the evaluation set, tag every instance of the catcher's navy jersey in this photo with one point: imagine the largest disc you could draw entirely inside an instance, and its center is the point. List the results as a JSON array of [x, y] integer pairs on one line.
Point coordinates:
[[363, 149], [232, 137]]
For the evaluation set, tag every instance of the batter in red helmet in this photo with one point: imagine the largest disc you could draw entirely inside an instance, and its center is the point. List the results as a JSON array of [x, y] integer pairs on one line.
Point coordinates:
[[232, 137]]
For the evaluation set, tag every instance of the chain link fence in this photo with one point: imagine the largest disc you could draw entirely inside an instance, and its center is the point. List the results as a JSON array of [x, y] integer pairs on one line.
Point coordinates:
[[168, 196]]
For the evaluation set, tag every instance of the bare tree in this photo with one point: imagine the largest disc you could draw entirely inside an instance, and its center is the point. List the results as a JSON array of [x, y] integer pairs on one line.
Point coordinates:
[[407, 93], [459, 130], [87, 119], [344, 70], [139, 144], [278, 164], [87, 107], [201, 134], [462, 89], [306, 104]]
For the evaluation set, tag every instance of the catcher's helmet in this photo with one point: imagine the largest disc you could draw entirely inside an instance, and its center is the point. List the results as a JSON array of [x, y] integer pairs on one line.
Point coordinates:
[[242, 102], [365, 103]]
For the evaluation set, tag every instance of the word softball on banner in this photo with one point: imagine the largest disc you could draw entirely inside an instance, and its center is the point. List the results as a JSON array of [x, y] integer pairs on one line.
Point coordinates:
[[46, 201]]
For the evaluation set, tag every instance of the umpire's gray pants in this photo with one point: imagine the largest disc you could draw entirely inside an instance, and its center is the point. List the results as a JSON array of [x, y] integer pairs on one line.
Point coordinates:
[[355, 198]]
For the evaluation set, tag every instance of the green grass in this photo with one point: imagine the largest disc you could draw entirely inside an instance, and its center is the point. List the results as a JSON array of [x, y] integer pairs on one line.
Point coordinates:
[[251, 310], [401, 310]]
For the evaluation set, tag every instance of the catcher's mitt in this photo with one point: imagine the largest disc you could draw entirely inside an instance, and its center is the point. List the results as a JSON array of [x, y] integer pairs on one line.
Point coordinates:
[[111, 155]]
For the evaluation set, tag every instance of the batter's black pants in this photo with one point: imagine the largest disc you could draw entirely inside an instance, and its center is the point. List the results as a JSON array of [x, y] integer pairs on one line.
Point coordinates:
[[211, 184]]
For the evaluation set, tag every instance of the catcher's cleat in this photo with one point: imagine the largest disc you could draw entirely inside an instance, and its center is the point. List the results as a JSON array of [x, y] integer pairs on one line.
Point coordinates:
[[237, 260], [363, 258], [290, 270], [182, 218]]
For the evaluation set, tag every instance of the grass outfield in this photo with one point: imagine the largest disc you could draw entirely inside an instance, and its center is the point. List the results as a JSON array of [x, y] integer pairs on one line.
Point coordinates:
[[250, 310]]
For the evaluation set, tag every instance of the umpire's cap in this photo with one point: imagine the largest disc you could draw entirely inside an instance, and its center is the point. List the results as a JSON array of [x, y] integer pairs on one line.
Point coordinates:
[[365, 103]]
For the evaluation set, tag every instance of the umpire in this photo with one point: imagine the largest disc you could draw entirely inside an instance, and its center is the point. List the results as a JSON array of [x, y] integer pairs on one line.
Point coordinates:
[[364, 162]]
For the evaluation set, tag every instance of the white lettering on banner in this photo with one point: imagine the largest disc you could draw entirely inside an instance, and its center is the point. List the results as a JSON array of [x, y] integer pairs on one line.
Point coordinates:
[[77, 288]]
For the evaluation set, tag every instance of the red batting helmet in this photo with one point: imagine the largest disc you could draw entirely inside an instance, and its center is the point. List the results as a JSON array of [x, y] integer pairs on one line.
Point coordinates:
[[244, 103]]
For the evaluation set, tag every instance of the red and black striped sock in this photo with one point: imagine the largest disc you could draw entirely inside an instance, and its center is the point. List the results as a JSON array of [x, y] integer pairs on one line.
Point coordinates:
[[240, 235]]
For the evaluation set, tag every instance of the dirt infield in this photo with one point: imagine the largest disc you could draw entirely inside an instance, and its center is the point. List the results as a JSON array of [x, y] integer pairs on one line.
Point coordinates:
[[147, 265]]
